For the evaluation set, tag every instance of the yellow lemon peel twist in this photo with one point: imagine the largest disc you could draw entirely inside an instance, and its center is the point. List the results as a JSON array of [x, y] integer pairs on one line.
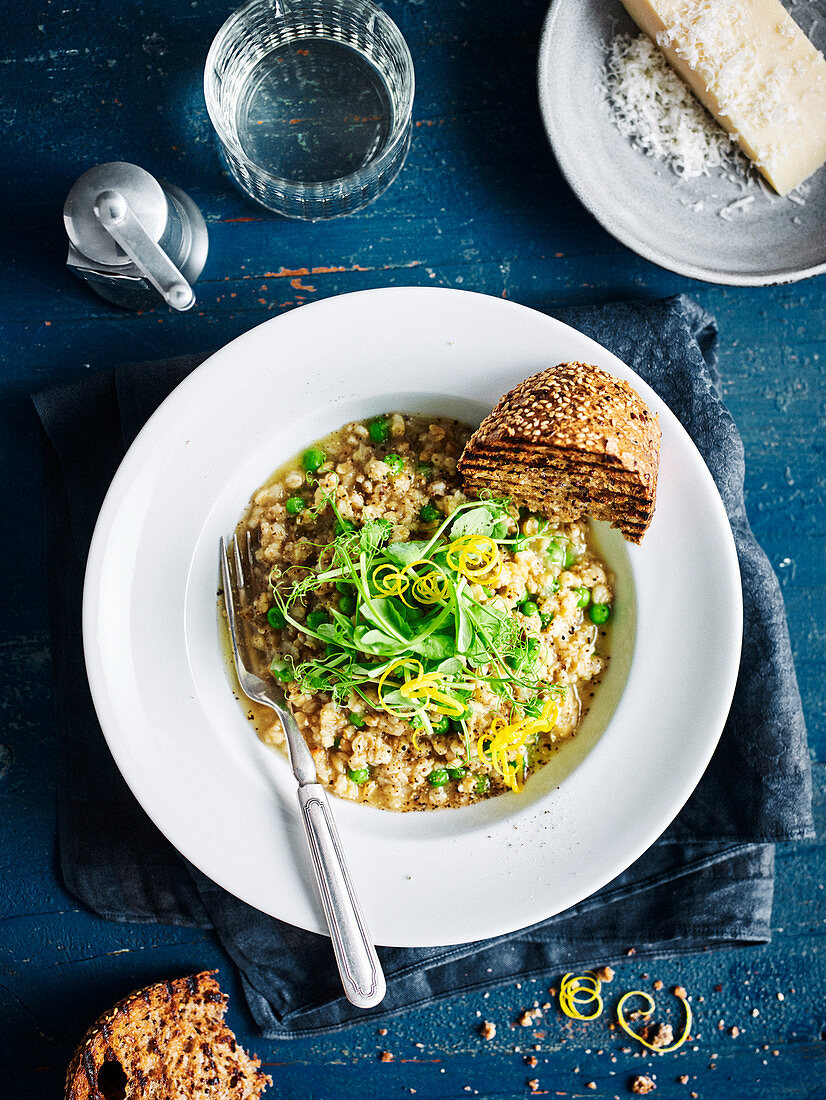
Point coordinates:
[[401, 663], [501, 744], [623, 1023], [580, 989], [430, 587], [426, 688], [388, 580], [476, 557], [427, 588]]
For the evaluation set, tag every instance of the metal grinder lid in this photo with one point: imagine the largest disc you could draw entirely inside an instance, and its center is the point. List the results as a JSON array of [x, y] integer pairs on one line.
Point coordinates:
[[142, 192]]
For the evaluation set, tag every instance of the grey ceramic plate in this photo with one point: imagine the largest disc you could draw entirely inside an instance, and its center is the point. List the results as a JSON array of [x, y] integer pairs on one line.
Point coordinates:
[[639, 200]]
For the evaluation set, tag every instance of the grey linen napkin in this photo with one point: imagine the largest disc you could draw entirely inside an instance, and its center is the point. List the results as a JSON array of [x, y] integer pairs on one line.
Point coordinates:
[[708, 882]]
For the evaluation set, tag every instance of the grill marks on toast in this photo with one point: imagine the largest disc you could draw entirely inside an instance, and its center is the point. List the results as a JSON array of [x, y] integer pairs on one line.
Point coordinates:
[[570, 441]]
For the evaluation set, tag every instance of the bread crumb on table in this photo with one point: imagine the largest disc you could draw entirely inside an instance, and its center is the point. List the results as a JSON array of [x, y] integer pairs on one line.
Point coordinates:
[[660, 1035], [642, 1085], [488, 1030], [604, 974], [385, 1056]]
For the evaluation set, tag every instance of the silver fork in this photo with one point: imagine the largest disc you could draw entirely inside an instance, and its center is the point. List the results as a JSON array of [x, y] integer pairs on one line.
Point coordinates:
[[358, 964]]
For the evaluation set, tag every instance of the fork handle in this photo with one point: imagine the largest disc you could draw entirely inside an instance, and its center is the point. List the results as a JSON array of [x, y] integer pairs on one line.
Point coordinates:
[[358, 963]]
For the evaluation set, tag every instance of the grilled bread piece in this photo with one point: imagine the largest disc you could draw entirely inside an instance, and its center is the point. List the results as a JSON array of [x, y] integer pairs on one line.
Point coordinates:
[[568, 442], [166, 1042]]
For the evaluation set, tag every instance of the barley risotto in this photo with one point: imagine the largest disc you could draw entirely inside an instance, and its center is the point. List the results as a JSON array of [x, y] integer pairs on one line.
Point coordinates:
[[433, 649]]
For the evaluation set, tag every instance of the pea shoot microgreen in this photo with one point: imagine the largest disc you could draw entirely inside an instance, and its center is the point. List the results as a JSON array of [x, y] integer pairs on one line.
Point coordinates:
[[415, 640]]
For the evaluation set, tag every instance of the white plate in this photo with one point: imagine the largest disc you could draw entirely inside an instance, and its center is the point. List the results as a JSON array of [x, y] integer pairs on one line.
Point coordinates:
[[639, 200], [160, 682]]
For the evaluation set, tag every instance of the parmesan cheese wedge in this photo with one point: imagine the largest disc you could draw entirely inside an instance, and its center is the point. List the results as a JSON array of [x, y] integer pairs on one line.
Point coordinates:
[[751, 65]]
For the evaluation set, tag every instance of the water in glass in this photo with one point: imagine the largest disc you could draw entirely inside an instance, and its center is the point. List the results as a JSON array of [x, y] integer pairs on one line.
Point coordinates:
[[313, 110]]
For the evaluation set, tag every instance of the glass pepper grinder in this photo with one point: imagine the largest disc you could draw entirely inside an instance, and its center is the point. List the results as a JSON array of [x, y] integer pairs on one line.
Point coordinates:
[[134, 239]]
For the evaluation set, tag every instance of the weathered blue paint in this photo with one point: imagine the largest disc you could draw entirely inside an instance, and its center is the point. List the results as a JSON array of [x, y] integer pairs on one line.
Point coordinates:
[[479, 205]]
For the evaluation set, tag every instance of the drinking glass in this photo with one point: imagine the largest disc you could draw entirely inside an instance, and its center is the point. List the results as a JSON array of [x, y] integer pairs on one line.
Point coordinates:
[[312, 103]]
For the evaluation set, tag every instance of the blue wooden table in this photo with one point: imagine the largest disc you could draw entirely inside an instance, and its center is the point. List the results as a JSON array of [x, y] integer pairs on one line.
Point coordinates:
[[480, 205]]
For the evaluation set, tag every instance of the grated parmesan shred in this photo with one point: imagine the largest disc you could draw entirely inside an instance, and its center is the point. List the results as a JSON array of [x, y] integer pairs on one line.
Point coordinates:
[[658, 112]]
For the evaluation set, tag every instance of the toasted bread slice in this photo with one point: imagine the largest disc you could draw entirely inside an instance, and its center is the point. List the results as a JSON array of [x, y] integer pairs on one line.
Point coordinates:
[[166, 1042], [569, 442]]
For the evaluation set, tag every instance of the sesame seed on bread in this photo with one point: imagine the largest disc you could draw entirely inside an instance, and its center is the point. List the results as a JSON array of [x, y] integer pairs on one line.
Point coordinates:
[[568, 442], [165, 1042]]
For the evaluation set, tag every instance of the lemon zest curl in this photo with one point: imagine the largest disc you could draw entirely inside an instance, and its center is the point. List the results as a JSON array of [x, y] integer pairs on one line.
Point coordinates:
[[623, 1023], [476, 557], [577, 990], [502, 743], [429, 689]]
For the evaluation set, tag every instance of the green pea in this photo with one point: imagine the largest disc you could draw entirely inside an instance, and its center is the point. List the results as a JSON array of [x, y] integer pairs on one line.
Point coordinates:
[[281, 671], [441, 724], [316, 618], [583, 596], [457, 773], [379, 429], [313, 459], [295, 505], [430, 514], [347, 604], [395, 464], [343, 586], [600, 613], [438, 777], [534, 646], [546, 619], [571, 555], [528, 608], [345, 527], [337, 742], [425, 469], [275, 617], [556, 552], [356, 719], [358, 775], [482, 784]]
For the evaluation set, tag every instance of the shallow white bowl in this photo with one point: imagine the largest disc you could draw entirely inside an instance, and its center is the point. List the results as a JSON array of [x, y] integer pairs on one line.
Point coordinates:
[[675, 223], [161, 685]]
